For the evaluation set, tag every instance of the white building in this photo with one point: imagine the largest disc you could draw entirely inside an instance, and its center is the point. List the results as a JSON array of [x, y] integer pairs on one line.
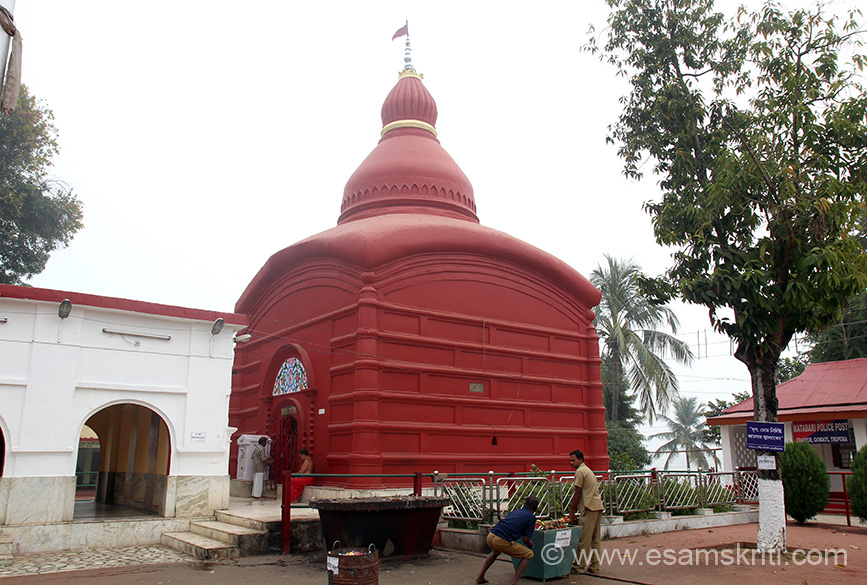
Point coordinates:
[[825, 406], [151, 381]]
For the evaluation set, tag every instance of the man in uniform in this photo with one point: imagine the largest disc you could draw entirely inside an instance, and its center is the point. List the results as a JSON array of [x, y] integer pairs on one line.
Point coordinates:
[[588, 503]]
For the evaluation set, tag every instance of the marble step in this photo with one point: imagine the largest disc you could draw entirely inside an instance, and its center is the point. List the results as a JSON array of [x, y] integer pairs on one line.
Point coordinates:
[[249, 541], [199, 546], [5, 551], [265, 523]]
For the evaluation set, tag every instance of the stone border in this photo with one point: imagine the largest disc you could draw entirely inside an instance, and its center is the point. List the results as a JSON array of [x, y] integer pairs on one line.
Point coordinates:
[[612, 527]]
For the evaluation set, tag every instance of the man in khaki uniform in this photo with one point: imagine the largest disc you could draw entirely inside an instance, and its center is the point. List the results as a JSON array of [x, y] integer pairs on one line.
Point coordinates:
[[588, 503]]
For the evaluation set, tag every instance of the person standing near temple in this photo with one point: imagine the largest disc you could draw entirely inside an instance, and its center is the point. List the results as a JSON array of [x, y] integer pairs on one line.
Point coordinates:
[[588, 503], [260, 464]]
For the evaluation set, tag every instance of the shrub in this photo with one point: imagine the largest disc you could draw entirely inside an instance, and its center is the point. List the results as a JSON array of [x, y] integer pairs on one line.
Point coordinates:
[[857, 484], [805, 481]]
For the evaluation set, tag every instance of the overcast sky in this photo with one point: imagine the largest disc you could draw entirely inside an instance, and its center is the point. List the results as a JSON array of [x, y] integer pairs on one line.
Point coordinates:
[[203, 137]]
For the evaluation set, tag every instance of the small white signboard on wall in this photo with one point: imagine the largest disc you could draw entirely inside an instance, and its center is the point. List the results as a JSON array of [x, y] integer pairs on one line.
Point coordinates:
[[766, 462]]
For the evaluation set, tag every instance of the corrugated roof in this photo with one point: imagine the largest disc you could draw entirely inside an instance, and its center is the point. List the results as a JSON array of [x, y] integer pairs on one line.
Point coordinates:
[[821, 386], [785, 415]]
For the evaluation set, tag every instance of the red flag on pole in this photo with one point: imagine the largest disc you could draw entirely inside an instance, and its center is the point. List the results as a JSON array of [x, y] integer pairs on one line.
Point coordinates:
[[404, 30]]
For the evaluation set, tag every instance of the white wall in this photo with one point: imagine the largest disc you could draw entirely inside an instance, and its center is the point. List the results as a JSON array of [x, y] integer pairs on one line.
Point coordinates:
[[56, 373]]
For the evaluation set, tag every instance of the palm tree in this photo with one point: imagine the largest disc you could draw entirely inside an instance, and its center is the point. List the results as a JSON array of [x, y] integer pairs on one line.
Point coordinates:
[[633, 349], [685, 433]]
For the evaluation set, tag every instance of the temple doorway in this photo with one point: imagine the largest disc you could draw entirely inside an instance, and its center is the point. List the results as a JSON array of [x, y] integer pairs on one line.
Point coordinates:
[[132, 450], [284, 445]]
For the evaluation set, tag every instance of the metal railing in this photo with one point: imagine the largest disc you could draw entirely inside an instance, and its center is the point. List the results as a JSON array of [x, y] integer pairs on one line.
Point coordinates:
[[484, 497], [843, 498]]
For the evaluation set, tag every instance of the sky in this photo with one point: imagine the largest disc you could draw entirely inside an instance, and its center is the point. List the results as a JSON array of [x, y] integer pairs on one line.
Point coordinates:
[[203, 137]]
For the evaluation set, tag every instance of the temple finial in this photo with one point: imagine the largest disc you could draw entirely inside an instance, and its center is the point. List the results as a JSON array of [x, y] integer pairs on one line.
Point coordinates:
[[407, 53]]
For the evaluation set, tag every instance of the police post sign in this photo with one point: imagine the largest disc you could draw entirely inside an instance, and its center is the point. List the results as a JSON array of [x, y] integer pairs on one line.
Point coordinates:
[[766, 436]]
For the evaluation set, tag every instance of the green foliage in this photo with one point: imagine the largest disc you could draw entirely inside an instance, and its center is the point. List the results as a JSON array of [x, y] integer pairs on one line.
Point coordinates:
[[756, 127], [680, 497], [788, 368], [710, 434], [685, 434], [633, 349], [716, 496], [37, 215], [614, 386], [635, 499], [805, 481], [625, 448], [844, 339], [856, 484]]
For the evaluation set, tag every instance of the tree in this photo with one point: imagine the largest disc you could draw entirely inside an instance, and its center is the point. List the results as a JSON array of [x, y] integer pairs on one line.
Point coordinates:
[[626, 449], [845, 339], [633, 348], [711, 434], [37, 214], [614, 377], [857, 484], [788, 368], [806, 482], [684, 433], [757, 131]]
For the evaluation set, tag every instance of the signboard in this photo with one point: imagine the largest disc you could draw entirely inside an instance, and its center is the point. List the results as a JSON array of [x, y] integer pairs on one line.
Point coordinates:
[[198, 437], [766, 436], [766, 462], [288, 410], [563, 538], [821, 431]]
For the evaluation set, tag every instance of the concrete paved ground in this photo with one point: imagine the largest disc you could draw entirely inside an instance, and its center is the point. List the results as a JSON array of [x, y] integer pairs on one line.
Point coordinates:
[[679, 558]]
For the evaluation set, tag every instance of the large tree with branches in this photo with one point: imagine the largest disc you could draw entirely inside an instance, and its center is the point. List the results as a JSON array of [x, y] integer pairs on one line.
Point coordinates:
[[755, 123], [38, 214]]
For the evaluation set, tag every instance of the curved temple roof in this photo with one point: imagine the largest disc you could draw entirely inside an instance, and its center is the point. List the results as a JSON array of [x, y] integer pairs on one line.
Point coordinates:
[[409, 197]]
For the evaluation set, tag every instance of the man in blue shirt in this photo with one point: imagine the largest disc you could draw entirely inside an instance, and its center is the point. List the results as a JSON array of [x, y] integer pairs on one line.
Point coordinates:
[[504, 536]]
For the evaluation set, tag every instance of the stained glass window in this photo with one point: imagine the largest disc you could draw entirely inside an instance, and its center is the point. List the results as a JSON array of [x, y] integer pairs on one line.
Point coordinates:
[[290, 378]]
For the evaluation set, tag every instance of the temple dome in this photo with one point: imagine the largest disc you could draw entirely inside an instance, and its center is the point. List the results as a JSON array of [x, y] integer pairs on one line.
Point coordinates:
[[408, 171]]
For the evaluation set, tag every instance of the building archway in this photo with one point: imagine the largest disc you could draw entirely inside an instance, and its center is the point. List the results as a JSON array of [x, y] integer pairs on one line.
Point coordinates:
[[2, 451], [289, 411], [134, 459], [87, 465]]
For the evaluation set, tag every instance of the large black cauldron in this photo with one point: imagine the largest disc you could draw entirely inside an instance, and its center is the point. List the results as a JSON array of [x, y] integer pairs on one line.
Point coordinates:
[[399, 526]]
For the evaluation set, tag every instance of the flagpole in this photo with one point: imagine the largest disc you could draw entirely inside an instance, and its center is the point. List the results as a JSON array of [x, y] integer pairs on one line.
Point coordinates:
[[407, 55]]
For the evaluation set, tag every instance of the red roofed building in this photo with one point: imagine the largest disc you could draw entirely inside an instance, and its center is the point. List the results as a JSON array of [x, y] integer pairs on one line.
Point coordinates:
[[825, 406], [410, 337]]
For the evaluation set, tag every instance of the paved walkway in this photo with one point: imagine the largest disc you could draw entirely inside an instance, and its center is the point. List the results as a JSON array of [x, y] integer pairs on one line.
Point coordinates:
[[678, 558]]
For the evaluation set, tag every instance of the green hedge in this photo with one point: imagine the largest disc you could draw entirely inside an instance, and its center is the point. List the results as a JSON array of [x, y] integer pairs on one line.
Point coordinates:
[[806, 483], [857, 484]]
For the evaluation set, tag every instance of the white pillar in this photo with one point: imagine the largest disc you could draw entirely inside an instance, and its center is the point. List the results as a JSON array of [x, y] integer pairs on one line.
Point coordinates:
[[859, 427], [726, 442]]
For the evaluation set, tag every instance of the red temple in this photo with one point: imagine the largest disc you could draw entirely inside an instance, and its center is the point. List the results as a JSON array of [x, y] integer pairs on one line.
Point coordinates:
[[410, 337]]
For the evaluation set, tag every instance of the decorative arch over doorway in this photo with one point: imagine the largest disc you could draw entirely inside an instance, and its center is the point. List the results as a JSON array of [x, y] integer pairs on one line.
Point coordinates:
[[134, 458]]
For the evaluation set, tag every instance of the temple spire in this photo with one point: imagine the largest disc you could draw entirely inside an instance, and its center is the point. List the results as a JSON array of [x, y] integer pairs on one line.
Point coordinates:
[[407, 52]]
